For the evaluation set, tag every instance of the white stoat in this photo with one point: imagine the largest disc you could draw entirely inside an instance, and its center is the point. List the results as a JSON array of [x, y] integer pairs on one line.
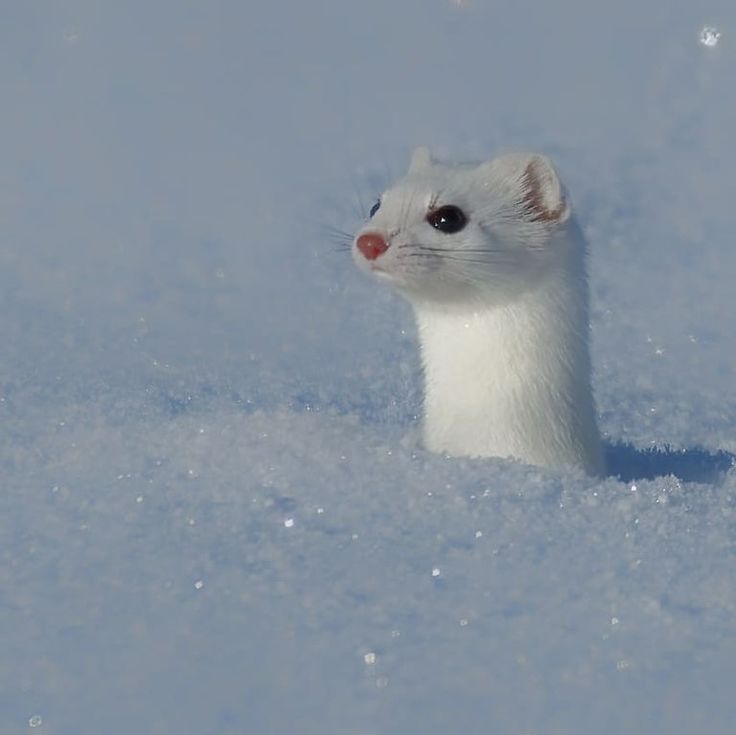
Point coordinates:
[[494, 266]]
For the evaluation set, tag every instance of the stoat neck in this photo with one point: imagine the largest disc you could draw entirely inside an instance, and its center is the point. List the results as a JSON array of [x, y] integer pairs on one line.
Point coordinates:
[[512, 380]]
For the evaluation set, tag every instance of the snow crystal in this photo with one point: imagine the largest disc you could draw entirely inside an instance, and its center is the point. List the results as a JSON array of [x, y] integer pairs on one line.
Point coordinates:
[[710, 36], [214, 488]]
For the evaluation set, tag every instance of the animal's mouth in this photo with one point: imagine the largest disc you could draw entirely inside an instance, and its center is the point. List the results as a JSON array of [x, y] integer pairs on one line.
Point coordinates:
[[380, 271], [384, 274]]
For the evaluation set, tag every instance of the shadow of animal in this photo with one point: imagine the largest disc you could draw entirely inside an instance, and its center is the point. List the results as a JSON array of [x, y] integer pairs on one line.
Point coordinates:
[[689, 465]]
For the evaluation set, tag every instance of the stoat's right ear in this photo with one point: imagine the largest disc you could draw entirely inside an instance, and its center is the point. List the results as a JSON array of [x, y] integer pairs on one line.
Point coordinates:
[[420, 159]]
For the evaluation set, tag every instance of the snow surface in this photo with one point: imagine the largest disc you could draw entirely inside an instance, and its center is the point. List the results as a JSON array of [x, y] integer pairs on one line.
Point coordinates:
[[216, 517]]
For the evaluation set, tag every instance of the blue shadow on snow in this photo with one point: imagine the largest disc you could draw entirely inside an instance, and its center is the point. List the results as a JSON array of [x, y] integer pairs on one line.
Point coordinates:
[[689, 465]]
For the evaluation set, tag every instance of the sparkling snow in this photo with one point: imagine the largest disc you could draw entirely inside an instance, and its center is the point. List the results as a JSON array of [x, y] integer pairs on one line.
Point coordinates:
[[216, 513]]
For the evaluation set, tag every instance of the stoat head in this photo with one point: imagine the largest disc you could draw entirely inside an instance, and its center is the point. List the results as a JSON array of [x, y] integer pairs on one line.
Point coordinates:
[[467, 233]]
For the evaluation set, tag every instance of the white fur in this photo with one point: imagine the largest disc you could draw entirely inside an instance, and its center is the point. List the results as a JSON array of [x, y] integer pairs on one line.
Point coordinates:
[[501, 308]]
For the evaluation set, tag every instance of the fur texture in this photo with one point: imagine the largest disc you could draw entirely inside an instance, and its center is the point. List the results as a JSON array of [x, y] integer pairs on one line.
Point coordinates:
[[501, 307]]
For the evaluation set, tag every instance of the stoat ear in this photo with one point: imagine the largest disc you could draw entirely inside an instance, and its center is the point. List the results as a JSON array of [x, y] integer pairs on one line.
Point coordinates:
[[420, 159], [535, 185]]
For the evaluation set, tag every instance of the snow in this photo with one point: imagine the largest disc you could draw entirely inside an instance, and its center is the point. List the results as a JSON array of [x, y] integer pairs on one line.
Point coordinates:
[[216, 514]]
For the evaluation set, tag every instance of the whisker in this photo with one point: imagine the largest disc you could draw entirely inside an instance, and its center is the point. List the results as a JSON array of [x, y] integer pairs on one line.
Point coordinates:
[[342, 239], [338, 245], [456, 258], [330, 230], [451, 250], [358, 199], [441, 253]]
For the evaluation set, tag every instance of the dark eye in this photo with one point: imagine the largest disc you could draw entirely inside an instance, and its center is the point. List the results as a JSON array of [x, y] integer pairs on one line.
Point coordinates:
[[447, 219], [374, 209]]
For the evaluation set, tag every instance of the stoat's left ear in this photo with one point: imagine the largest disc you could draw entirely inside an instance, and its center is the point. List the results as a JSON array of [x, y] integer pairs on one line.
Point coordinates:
[[420, 159], [534, 185]]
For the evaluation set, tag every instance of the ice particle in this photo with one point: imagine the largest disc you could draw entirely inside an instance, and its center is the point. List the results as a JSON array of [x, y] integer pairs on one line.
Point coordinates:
[[198, 584], [709, 36], [71, 34], [289, 522], [35, 721]]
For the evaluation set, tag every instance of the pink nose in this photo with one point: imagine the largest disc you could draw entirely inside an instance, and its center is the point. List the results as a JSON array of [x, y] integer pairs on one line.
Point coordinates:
[[371, 244]]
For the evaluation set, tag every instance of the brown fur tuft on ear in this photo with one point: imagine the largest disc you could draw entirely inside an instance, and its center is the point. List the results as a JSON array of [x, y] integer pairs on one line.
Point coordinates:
[[543, 197], [531, 183]]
